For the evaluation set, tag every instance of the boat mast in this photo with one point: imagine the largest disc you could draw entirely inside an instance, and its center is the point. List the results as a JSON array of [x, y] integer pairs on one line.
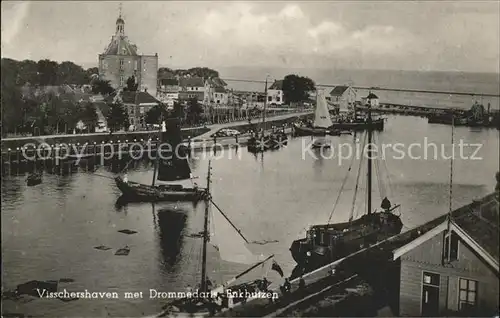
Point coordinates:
[[158, 147], [369, 161], [203, 285], [264, 112]]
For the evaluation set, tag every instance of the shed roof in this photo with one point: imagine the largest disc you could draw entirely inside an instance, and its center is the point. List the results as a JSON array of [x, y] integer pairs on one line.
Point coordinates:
[[338, 90]]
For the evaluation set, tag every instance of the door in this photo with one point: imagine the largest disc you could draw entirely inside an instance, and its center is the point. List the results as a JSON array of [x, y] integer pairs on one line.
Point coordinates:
[[430, 295]]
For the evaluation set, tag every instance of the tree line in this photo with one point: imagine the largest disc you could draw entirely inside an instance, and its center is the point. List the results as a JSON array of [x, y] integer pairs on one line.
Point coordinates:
[[34, 101]]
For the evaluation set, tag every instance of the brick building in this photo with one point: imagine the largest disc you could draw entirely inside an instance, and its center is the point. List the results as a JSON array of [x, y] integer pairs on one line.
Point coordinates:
[[120, 61]]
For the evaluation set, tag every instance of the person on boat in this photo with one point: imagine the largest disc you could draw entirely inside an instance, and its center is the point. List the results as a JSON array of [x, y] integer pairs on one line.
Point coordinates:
[[386, 204], [125, 178]]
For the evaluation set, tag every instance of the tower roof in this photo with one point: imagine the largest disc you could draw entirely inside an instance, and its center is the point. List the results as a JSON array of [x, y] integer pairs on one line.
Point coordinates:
[[120, 20], [120, 45]]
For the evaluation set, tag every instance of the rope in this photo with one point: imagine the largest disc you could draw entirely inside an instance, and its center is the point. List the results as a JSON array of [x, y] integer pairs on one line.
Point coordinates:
[[341, 188], [357, 181]]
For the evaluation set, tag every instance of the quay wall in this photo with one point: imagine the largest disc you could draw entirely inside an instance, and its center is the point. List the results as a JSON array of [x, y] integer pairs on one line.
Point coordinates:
[[137, 136]]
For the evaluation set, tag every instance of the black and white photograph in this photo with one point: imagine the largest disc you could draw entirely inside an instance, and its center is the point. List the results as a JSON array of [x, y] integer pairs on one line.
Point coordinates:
[[250, 158]]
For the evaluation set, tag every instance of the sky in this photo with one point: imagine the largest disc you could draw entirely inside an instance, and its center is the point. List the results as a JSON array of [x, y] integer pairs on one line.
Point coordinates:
[[416, 35]]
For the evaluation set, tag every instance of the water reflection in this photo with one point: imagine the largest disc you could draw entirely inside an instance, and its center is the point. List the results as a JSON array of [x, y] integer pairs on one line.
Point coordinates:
[[171, 224]]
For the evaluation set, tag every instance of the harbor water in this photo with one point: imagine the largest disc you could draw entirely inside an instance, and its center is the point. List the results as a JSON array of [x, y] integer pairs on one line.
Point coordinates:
[[49, 231]]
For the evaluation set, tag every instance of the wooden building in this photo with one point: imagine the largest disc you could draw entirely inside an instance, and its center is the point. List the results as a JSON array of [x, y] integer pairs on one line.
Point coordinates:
[[453, 268]]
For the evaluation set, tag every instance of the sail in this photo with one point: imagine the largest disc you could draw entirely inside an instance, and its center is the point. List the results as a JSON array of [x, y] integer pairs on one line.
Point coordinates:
[[229, 243], [172, 163], [322, 115]]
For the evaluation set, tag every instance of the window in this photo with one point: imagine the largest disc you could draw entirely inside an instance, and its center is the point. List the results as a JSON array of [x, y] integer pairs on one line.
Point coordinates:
[[467, 296], [121, 64], [121, 80], [269, 98], [278, 99], [431, 279], [451, 255]]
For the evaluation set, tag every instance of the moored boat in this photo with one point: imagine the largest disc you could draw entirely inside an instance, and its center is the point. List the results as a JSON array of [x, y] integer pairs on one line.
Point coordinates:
[[34, 179], [325, 243], [170, 165], [322, 124], [260, 142]]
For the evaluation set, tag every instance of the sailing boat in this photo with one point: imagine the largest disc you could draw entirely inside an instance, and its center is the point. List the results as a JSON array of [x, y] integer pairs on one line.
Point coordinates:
[[272, 141], [322, 121], [355, 121], [169, 167], [231, 245], [325, 243]]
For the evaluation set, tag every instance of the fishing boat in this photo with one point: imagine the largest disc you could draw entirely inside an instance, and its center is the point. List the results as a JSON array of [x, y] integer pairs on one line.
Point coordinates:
[[221, 233], [34, 179], [260, 142], [322, 122], [325, 243], [357, 121], [170, 165]]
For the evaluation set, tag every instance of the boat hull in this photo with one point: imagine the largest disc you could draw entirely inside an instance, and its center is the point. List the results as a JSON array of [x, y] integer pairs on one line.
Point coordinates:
[[332, 242], [137, 192], [34, 179], [299, 131], [377, 124]]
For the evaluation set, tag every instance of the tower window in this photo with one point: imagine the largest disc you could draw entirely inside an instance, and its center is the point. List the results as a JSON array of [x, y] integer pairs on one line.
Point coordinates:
[[121, 80], [121, 64]]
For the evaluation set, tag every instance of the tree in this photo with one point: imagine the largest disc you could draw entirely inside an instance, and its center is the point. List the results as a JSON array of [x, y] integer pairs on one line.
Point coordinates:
[[194, 111], [88, 115], [131, 84], [165, 72], [178, 111], [296, 88], [102, 87], [154, 114], [117, 117], [70, 73], [203, 72], [47, 72]]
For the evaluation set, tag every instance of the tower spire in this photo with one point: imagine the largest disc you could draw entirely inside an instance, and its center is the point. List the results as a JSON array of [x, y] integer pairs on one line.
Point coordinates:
[[120, 24]]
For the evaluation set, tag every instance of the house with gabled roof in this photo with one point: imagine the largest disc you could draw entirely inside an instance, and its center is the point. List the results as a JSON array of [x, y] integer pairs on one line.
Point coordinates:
[[371, 100], [275, 96], [342, 97], [137, 105], [452, 269], [216, 92]]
